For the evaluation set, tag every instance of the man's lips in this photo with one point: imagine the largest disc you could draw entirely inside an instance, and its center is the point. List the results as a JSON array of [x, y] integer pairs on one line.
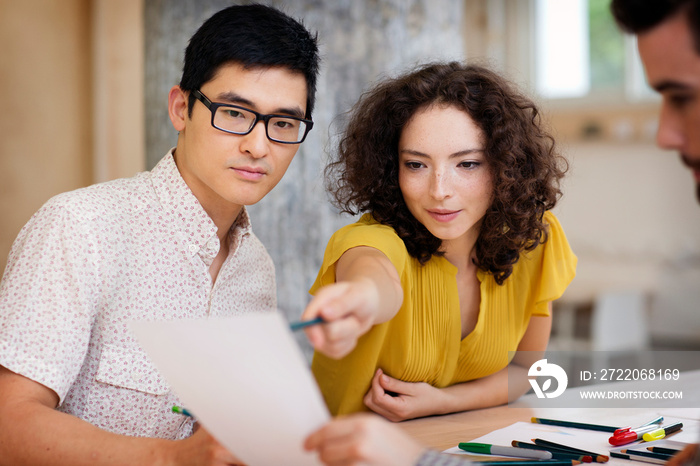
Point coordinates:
[[250, 173], [696, 174], [693, 164]]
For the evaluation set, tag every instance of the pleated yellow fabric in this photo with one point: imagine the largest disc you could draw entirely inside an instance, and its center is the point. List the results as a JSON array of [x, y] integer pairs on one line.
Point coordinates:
[[422, 343]]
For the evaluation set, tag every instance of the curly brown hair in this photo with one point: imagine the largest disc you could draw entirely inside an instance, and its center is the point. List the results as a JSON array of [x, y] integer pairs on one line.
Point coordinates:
[[363, 175]]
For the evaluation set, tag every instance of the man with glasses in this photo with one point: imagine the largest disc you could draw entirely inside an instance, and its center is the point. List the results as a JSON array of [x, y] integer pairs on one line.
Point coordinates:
[[172, 243]]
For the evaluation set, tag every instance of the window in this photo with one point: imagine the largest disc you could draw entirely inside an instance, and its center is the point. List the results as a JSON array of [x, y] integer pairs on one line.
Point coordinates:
[[562, 58], [580, 52]]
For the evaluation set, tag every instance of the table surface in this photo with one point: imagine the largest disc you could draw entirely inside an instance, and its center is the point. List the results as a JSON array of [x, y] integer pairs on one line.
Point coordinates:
[[443, 432]]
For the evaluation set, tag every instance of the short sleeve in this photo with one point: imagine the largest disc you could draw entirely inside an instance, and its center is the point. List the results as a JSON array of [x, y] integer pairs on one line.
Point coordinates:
[[558, 266], [365, 232], [45, 299]]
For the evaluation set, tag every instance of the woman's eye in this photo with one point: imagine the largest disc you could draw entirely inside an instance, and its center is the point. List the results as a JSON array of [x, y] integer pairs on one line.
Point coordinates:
[[413, 165], [469, 164]]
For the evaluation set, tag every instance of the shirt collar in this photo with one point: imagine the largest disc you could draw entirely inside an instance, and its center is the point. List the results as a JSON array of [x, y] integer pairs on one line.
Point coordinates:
[[178, 202]]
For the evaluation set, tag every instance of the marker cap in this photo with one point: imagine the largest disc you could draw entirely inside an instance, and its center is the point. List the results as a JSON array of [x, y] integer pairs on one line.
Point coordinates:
[[655, 435], [623, 439]]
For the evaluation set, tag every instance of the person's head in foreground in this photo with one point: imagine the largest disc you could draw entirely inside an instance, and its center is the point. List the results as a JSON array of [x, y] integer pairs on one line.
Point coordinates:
[[450, 137], [668, 38]]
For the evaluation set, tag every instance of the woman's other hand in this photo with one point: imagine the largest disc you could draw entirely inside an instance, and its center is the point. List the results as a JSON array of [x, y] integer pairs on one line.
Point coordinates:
[[397, 400]]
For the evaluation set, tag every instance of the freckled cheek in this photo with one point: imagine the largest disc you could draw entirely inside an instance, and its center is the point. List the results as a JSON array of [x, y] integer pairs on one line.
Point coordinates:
[[482, 194], [410, 189]]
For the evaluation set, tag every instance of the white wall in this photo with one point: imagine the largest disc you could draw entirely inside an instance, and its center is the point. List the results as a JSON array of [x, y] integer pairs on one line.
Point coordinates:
[[632, 218]]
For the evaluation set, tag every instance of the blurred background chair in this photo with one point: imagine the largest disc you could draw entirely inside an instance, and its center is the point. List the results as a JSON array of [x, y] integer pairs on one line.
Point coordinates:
[[619, 322], [612, 331]]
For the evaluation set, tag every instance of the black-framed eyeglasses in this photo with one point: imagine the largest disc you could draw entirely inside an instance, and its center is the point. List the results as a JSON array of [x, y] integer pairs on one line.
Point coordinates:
[[239, 120]]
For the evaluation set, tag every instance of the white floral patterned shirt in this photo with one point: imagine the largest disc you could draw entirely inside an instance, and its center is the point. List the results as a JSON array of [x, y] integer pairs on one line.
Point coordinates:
[[92, 260]]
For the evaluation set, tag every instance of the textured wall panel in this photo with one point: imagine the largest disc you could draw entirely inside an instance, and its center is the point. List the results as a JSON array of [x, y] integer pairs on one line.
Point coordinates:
[[361, 41]]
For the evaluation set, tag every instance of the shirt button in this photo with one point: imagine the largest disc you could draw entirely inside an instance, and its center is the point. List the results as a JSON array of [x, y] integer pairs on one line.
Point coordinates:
[[135, 376], [194, 248]]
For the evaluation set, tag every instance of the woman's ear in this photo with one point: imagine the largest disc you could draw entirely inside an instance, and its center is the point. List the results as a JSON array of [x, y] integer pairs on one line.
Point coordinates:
[[177, 108]]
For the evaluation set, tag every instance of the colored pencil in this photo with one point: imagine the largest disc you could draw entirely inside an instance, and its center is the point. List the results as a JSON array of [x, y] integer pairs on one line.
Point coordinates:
[[557, 453], [597, 457], [532, 462], [615, 454], [577, 425], [488, 449], [646, 454], [665, 450]]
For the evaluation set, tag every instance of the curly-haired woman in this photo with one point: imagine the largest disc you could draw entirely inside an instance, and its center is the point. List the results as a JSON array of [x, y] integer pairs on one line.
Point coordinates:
[[456, 259]]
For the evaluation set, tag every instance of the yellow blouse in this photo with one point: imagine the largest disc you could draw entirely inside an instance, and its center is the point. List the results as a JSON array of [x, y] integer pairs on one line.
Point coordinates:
[[422, 343]]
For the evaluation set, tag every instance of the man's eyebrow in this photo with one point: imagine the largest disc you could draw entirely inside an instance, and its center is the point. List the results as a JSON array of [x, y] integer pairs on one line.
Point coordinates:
[[237, 99], [670, 85], [455, 154]]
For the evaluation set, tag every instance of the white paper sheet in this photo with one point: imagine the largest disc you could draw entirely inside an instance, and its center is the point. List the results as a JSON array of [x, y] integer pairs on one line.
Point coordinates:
[[245, 379]]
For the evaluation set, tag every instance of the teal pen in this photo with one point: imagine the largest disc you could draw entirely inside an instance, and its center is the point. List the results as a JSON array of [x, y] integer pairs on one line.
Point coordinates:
[[294, 326], [183, 411], [622, 430], [658, 420]]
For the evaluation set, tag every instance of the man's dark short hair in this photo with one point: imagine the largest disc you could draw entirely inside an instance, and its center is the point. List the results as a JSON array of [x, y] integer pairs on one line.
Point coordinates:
[[639, 16], [254, 36]]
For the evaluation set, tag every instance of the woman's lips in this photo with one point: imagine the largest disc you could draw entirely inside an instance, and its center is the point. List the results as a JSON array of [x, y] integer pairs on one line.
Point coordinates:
[[444, 215]]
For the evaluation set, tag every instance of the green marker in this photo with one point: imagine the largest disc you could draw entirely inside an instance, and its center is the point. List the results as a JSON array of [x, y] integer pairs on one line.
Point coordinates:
[[485, 448], [183, 411]]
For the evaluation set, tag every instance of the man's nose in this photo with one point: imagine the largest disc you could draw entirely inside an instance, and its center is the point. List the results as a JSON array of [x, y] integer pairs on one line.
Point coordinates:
[[670, 135], [256, 142]]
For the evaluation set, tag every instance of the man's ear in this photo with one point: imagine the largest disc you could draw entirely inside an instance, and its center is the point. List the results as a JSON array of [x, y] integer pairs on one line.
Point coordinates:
[[177, 107]]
